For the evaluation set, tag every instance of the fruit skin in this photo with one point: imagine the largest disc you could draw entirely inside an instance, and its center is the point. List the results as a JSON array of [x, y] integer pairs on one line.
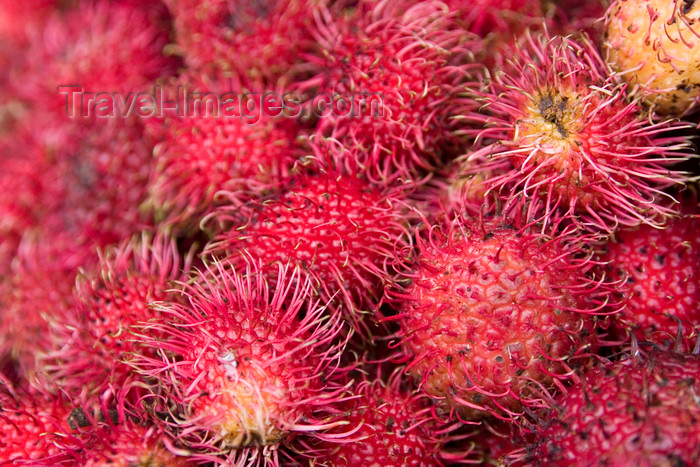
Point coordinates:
[[338, 228], [577, 15], [111, 436], [43, 429], [93, 339], [263, 39], [399, 66], [16, 16], [642, 410], [79, 179], [660, 280], [32, 186], [391, 425], [131, 444], [559, 130], [498, 444], [104, 184], [40, 285], [34, 428], [458, 189], [247, 362], [500, 23], [503, 17], [493, 317], [199, 155], [70, 187], [101, 46], [655, 43], [20, 206]]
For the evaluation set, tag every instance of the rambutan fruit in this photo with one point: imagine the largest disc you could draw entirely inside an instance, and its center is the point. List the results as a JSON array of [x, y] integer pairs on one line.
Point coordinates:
[[385, 85], [199, 155], [642, 410], [92, 339], [19, 201], [660, 280], [391, 425], [103, 185], [34, 428], [16, 16], [586, 16], [82, 181], [40, 285], [492, 316], [29, 182], [112, 436], [246, 362], [497, 443], [132, 444], [339, 229], [457, 189], [657, 43], [253, 40], [99, 47], [499, 23], [500, 16], [78, 187], [560, 131]]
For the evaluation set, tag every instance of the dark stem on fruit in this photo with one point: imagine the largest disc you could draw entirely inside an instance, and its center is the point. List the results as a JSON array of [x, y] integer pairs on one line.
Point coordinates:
[[553, 112], [687, 6]]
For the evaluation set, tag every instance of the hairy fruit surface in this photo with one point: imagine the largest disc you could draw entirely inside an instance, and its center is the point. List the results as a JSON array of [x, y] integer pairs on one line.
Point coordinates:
[[247, 360], [661, 281], [560, 131], [392, 74], [657, 43], [490, 315], [338, 228], [639, 411]]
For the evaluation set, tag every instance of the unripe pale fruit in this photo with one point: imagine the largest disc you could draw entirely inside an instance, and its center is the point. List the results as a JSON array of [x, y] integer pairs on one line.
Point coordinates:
[[657, 43]]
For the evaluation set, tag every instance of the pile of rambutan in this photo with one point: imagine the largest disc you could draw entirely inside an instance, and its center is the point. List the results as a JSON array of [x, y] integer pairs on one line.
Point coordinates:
[[349, 232]]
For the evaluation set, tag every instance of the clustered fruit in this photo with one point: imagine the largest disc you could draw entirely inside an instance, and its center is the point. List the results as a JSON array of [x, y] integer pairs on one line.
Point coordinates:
[[483, 248]]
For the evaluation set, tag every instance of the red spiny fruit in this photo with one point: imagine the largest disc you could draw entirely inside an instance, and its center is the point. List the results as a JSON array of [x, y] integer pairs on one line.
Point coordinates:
[[245, 153], [111, 436], [18, 194], [247, 362], [29, 179], [492, 316], [499, 444], [458, 189], [642, 410], [15, 216], [258, 39], [40, 285], [561, 131], [19, 199], [99, 46], [503, 17], [79, 180], [132, 444], [94, 337], [578, 15], [104, 183], [338, 228], [661, 280], [390, 425], [16, 16], [392, 72], [499, 22], [657, 44], [34, 428]]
